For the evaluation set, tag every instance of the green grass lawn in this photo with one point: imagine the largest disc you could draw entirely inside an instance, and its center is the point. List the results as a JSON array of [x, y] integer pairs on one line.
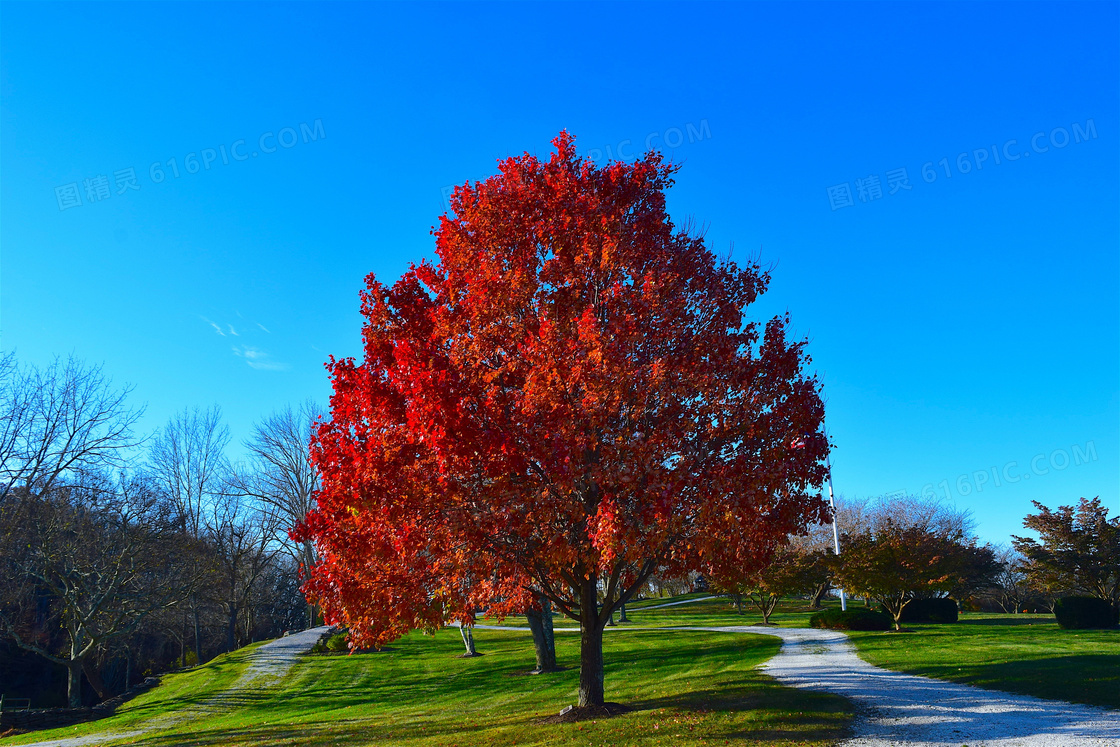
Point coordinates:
[[688, 688], [1026, 654]]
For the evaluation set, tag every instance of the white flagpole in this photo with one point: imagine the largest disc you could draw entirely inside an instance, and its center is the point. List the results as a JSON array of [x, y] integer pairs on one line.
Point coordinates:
[[835, 529]]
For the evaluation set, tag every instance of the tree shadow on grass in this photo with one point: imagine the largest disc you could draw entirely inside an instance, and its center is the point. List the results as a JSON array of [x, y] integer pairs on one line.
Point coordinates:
[[783, 713], [1007, 621], [780, 719], [1092, 679], [344, 732]]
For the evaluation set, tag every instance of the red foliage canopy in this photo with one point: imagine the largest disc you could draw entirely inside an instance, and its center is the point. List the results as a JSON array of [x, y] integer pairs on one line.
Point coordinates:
[[568, 400]]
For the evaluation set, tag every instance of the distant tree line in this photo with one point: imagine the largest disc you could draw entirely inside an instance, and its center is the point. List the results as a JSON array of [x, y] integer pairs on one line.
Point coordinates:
[[123, 555], [899, 549]]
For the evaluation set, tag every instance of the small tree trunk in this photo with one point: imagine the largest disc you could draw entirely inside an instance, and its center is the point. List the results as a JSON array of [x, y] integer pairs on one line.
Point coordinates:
[[590, 648], [312, 615], [468, 640], [768, 609], [818, 595], [739, 603], [197, 636], [894, 608], [231, 628], [622, 618], [544, 640], [127, 668]]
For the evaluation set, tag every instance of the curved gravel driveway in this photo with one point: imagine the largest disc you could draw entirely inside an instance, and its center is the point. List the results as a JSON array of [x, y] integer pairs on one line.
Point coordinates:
[[905, 710]]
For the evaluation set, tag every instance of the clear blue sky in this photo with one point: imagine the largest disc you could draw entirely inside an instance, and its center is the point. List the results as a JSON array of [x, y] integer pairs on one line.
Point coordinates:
[[967, 323]]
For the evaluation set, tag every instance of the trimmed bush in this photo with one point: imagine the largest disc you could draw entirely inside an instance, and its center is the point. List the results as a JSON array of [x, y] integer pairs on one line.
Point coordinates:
[[337, 643], [853, 619], [1079, 613], [943, 610]]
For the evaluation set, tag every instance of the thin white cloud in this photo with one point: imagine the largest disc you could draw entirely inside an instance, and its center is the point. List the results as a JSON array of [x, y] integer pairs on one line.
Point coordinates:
[[233, 331], [264, 328], [215, 326], [258, 359], [268, 366]]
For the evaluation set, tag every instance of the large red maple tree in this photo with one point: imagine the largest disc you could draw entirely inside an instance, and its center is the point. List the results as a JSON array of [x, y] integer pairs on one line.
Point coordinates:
[[568, 400]]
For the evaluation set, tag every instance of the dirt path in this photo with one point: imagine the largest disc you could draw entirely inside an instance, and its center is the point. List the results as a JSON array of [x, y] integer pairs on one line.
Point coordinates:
[[267, 664]]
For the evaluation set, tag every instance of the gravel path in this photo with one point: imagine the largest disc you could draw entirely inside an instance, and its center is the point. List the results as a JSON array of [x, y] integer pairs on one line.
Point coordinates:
[[904, 710], [266, 664]]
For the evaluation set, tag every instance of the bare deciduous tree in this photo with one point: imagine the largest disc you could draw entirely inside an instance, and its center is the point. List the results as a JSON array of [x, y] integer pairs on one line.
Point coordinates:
[[280, 476], [242, 539], [188, 457], [1012, 587], [58, 421], [90, 557]]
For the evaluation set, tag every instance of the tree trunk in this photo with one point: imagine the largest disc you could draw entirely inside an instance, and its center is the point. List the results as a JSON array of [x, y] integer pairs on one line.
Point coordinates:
[[468, 640], [74, 684], [312, 615], [197, 636], [768, 609], [74, 669], [544, 640], [739, 603], [622, 618], [94, 678], [895, 611], [231, 628], [818, 595], [308, 561], [590, 648]]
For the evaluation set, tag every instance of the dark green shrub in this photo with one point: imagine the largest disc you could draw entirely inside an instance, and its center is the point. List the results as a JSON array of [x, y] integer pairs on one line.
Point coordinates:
[[1077, 613], [853, 619], [338, 642], [943, 610]]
